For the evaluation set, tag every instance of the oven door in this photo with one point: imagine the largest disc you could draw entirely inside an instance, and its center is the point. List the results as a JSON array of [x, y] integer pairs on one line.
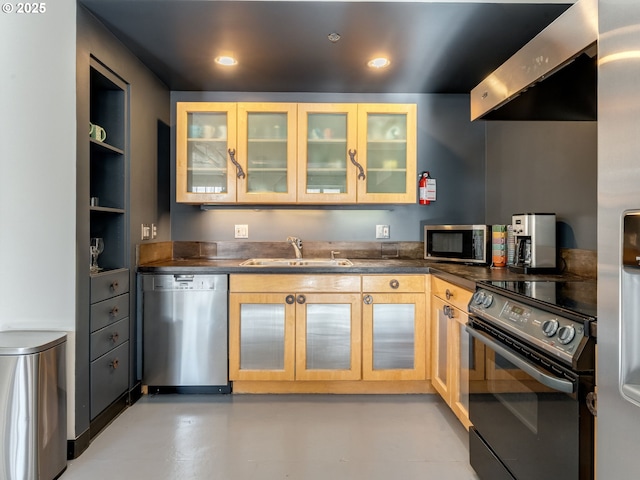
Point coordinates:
[[528, 422]]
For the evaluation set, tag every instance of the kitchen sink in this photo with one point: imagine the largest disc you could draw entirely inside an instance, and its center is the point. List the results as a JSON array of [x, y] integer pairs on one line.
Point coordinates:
[[297, 262]]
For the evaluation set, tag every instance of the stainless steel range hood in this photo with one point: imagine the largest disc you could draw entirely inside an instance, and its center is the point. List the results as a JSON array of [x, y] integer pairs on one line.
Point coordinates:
[[553, 77]]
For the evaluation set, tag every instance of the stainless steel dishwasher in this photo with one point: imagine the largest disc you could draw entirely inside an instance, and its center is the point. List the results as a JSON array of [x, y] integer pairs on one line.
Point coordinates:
[[185, 333]]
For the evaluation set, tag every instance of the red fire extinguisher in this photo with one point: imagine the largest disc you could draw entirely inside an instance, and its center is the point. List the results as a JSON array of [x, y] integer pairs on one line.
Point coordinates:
[[427, 188]]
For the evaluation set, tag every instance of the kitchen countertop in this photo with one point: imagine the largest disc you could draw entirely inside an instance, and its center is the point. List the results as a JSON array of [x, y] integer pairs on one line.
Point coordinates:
[[463, 275]]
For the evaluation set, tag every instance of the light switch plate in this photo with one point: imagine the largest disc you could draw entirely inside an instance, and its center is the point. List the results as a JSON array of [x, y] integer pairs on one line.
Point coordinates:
[[242, 231], [145, 232], [383, 231]]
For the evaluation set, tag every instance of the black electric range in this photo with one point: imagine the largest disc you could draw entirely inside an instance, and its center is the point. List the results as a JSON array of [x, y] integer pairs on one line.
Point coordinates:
[[539, 338]]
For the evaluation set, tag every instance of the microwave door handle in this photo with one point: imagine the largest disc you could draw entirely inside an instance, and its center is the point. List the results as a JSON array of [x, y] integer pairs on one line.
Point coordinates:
[[559, 384]]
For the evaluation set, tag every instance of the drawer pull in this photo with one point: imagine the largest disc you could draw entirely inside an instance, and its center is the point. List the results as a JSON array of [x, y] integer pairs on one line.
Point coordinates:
[[114, 311], [395, 284], [114, 337], [368, 300], [114, 286], [115, 363], [448, 293], [301, 299]]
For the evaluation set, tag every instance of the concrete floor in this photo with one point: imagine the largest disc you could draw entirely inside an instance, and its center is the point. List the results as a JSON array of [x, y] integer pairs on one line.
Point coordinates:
[[268, 437]]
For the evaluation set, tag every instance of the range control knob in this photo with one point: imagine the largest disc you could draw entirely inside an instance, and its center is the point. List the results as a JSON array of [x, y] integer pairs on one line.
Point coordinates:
[[550, 327], [488, 300], [566, 334], [478, 297]]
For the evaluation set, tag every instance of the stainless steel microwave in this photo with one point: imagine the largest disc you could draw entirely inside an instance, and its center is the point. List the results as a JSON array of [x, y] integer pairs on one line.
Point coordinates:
[[457, 243]]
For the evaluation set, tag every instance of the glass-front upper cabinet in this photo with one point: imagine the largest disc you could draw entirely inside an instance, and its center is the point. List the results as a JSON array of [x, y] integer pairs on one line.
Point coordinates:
[[326, 134], [206, 147], [387, 153], [267, 152]]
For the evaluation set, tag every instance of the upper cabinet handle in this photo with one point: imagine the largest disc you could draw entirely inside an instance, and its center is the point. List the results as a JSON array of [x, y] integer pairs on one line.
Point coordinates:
[[239, 170], [352, 156]]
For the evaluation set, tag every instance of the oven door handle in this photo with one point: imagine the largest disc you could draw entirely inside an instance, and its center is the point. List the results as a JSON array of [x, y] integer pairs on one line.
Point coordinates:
[[559, 384]]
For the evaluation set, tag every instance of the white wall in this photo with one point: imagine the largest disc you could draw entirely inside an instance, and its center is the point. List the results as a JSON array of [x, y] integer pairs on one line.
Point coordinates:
[[37, 171]]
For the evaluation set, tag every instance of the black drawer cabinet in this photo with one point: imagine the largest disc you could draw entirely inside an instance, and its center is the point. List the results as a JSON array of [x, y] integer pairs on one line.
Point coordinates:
[[109, 339], [109, 311], [109, 378]]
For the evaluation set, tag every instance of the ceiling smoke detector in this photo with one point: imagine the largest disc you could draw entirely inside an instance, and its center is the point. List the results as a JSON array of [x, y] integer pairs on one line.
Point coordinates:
[[333, 37]]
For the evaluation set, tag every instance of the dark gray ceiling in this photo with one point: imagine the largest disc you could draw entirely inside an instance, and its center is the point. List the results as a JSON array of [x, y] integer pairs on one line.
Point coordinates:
[[283, 46]]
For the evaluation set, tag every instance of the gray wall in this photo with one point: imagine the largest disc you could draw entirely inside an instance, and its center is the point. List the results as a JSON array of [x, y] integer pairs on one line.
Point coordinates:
[[149, 120], [545, 167], [449, 146]]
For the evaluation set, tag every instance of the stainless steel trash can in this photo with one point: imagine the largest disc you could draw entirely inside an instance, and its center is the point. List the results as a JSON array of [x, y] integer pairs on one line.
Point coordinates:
[[33, 405]]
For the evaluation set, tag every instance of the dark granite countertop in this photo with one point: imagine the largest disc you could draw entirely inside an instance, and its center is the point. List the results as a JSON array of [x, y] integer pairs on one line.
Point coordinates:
[[463, 275]]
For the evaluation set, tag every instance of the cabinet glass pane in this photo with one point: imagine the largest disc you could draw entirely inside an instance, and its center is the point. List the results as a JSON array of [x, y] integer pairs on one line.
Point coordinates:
[[443, 322], [386, 153], [326, 153], [328, 337], [207, 152], [262, 337], [267, 152], [393, 336]]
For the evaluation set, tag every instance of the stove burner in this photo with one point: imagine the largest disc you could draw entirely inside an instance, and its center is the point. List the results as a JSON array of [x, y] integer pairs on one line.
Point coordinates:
[[578, 297]]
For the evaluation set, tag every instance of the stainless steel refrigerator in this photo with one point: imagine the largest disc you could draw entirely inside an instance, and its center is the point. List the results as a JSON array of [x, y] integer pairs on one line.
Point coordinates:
[[618, 372]]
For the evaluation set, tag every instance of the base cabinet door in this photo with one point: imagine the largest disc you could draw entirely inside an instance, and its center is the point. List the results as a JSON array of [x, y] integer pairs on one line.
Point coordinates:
[[457, 360], [261, 336], [394, 328], [328, 336]]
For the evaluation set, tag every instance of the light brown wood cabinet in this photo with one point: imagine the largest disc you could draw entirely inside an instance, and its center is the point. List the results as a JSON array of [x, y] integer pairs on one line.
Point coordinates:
[[294, 327], [285, 153], [394, 327], [327, 327], [457, 360]]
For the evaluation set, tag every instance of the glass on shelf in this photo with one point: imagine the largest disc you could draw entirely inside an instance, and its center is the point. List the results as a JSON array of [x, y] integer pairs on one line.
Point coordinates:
[[387, 127], [207, 126], [96, 248], [267, 126]]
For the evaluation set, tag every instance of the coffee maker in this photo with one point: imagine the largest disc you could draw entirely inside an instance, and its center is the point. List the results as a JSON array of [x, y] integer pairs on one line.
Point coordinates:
[[535, 242]]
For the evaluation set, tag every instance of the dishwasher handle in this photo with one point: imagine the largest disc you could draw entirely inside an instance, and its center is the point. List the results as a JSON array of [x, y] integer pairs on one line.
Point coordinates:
[[183, 278]]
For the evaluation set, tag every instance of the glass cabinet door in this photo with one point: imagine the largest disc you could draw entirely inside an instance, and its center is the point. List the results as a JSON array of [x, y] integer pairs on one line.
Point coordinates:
[[266, 138], [326, 133], [387, 151], [205, 145]]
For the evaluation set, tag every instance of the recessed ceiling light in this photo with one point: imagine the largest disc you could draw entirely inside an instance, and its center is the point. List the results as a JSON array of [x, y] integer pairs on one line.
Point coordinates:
[[379, 62], [226, 61]]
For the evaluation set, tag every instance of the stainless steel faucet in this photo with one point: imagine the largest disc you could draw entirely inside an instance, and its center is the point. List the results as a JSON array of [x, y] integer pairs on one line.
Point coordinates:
[[297, 245]]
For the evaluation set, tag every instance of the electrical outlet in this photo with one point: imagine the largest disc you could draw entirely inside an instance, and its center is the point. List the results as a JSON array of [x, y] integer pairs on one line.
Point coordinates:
[[154, 230], [145, 232], [242, 231], [383, 231]]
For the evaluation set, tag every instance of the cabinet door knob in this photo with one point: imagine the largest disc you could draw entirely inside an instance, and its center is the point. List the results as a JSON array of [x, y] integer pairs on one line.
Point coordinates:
[[445, 310], [114, 311], [368, 299], [114, 363], [448, 293], [395, 284], [290, 299], [301, 299]]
